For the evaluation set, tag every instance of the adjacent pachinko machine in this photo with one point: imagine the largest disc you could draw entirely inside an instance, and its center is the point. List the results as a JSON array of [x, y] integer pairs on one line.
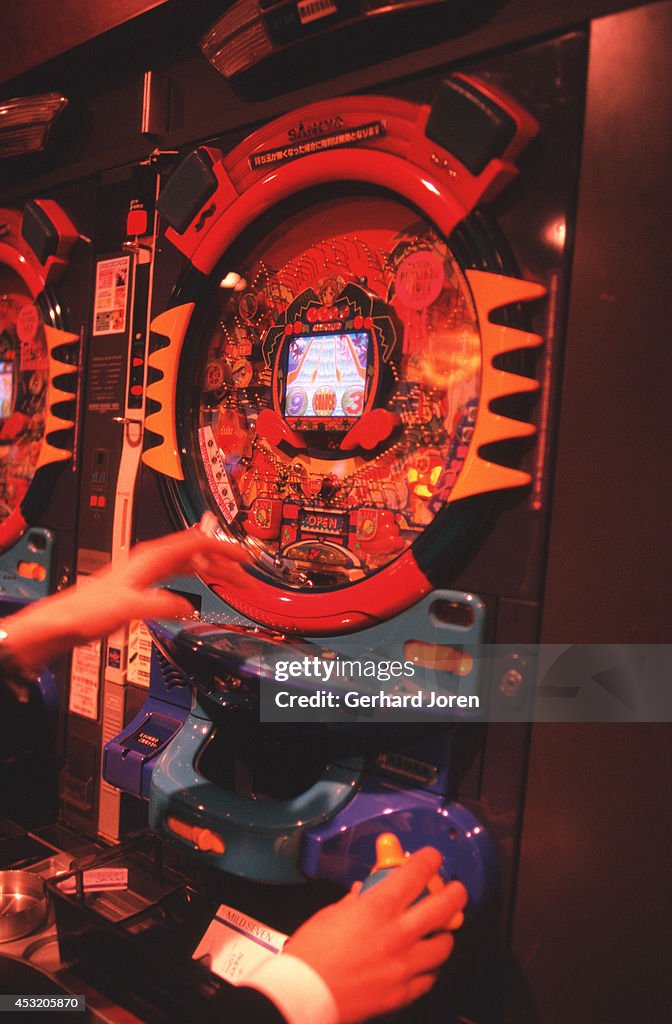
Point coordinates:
[[354, 373], [39, 386]]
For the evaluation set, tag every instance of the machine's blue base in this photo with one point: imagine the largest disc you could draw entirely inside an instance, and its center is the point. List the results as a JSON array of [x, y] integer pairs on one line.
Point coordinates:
[[261, 839], [381, 779], [423, 623]]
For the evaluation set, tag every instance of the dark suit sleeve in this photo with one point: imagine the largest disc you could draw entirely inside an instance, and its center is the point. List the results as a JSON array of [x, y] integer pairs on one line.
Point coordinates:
[[240, 1006]]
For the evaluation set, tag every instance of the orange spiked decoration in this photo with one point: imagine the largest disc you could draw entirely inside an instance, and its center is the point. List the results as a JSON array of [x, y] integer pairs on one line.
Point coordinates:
[[492, 291], [171, 328], [57, 392]]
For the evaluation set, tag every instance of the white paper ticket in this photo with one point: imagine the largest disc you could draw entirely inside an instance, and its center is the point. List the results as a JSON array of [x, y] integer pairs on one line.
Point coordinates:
[[236, 944]]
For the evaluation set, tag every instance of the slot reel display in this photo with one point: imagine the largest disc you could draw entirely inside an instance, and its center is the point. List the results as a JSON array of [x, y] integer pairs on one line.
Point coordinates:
[[332, 381]]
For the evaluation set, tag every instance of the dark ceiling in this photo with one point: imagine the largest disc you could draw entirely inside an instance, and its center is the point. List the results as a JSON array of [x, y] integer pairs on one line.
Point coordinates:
[[43, 33]]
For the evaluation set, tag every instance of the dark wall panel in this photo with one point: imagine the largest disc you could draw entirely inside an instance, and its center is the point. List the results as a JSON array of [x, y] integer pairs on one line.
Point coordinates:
[[594, 883], [610, 559]]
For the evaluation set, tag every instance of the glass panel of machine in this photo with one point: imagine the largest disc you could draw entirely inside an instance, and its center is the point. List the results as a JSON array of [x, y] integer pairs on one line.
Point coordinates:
[[338, 384], [23, 381]]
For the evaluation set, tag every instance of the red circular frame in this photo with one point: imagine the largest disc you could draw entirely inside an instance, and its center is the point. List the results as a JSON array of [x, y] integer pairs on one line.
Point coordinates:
[[404, 162]]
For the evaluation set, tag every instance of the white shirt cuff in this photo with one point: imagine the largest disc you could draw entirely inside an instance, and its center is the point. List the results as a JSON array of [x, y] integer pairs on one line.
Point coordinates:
[[296, 989]]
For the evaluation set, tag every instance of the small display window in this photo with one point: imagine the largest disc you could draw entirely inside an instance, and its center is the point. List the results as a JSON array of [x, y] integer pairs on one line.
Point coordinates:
[[326, 377]]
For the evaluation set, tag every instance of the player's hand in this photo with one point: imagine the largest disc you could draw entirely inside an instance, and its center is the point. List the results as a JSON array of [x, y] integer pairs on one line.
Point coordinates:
[[110, 598], [129, 591], [380, 951]]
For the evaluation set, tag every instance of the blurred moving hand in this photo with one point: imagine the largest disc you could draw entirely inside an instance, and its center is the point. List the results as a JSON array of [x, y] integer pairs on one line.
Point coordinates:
[[100, 603]]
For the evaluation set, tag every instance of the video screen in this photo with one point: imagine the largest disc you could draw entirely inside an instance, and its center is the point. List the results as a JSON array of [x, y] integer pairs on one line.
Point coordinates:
[[6, 388], [326, 376]]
